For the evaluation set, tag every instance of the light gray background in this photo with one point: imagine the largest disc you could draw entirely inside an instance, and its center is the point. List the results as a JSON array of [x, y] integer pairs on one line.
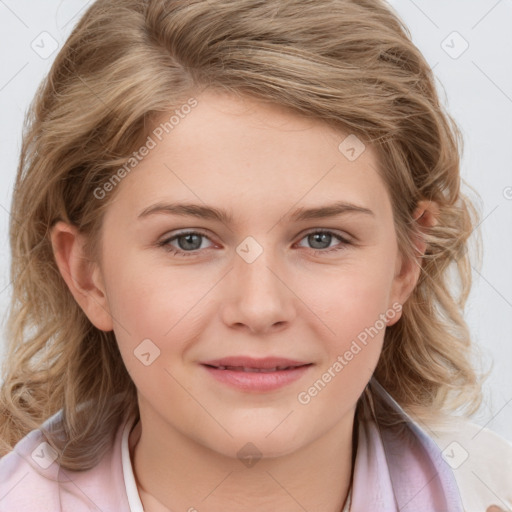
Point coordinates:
[[475, 85]]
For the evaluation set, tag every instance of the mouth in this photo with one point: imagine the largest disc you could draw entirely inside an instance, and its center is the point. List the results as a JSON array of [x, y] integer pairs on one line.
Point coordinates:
[[256, 375], [251, 364], [257, 370]]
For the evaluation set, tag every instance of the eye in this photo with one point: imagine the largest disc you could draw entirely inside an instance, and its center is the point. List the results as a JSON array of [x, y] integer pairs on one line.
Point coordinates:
[[321, 240], [188, 243]]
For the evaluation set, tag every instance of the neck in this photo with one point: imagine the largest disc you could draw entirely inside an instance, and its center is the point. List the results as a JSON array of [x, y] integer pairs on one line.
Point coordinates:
[[173, 472]]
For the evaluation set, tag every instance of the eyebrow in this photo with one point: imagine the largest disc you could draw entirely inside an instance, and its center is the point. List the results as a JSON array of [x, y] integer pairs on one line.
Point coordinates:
[[209, 212]]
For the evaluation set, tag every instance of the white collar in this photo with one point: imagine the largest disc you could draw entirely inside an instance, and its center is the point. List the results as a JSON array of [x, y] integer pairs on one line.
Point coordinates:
[[129, 479]]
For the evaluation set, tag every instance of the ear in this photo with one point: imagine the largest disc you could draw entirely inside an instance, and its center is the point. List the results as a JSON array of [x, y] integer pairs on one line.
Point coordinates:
[[407, 271], [82, 276]]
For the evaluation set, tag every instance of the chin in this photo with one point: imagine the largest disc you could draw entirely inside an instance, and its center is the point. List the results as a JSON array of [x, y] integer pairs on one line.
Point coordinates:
[[262, 440]]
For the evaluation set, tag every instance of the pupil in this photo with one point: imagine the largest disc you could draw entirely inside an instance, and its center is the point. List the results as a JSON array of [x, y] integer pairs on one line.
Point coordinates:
[[189, 242], [317, 238]]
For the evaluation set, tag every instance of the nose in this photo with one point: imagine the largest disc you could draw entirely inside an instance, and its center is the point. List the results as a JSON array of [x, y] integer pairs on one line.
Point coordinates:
[[258, 297]]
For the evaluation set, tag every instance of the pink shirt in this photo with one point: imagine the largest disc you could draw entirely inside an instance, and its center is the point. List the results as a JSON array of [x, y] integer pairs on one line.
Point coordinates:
[[31, 480]]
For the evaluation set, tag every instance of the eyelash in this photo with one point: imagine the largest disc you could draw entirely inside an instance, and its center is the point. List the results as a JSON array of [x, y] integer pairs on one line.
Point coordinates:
[[178, 252]]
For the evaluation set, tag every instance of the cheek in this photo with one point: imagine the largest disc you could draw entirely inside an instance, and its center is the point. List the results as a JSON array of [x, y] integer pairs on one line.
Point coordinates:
[[355, 310], [352, 298], [157, 310], [353, 306], [151, 298]]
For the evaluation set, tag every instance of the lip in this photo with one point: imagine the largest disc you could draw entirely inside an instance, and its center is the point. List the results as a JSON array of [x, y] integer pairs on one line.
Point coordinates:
[[252, 362], [257, 375]]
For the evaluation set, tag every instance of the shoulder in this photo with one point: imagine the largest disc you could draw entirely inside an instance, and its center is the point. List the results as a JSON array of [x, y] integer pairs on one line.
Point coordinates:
[[31, 479], [29, 476], [481, 461]]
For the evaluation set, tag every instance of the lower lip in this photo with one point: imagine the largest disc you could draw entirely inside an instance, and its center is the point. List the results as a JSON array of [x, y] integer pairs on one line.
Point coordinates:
[[257, 381]]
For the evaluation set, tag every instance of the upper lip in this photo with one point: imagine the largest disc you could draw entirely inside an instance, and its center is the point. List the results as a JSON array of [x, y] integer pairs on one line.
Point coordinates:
[[251, 362]]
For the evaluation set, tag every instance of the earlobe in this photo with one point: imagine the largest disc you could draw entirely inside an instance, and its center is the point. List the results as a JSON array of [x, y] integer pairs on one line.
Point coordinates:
[[82, 276], [406, 277]]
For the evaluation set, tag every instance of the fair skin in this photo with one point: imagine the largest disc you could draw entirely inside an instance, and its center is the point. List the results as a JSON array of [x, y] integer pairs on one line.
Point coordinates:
[[295, 300]]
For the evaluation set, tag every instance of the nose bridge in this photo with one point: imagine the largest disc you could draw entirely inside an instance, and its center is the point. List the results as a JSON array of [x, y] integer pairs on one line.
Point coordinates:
[[257, 275], [259, 298], [253, 266]]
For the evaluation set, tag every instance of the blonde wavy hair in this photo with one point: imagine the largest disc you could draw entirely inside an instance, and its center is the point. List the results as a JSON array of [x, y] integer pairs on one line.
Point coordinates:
[[350, 63]]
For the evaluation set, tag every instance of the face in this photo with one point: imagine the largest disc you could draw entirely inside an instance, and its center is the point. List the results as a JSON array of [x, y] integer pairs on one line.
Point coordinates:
[[208, 300]]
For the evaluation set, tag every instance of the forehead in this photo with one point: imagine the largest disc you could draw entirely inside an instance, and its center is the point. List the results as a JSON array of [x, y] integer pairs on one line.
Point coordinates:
[[240, 153]]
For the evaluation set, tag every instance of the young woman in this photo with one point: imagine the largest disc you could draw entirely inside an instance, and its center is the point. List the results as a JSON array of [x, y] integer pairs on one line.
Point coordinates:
[[233, 228]]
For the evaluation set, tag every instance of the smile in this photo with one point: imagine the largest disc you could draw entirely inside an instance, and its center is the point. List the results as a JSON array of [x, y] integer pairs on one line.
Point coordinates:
[[256, 375], [248, 369]]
